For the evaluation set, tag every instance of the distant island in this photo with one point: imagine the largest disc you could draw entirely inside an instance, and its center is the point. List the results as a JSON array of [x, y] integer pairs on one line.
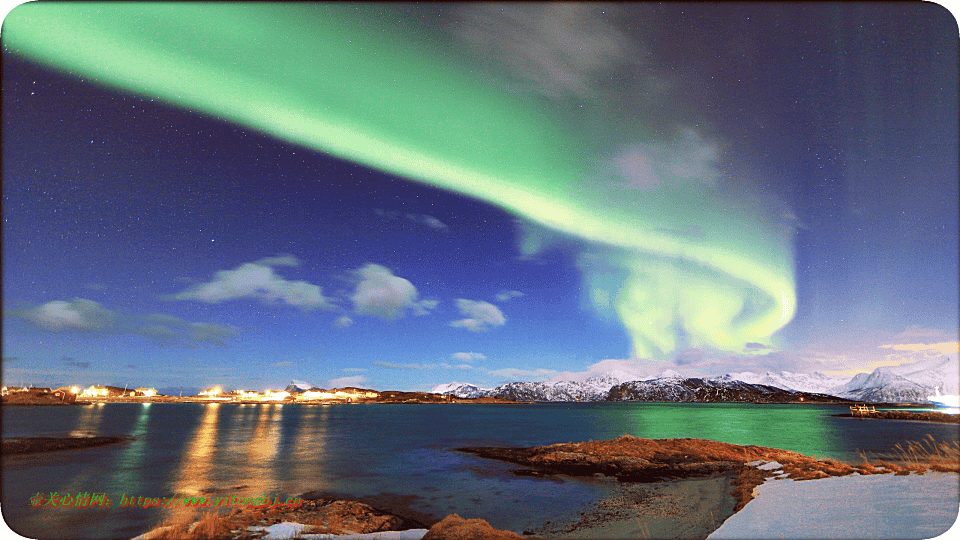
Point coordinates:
[[903, 385], [295, 392], [663, 390]]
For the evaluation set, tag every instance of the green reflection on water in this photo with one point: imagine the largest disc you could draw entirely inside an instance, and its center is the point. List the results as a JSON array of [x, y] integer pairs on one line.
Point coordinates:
[[803, 429]]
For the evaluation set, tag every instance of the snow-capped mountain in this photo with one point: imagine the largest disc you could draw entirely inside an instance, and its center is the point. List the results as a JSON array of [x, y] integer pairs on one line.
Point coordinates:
[[296, 387], [943, 372], [882, 387], [460, 390], [591, 389], [907, 383], [667, 374], [715, 390], [816, 383]]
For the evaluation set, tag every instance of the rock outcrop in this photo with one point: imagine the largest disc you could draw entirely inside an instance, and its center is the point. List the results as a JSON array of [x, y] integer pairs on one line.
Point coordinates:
[[454, 527]]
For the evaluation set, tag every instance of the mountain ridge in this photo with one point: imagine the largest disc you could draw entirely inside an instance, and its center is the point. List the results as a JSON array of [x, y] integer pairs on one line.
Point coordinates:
[[905, 383]]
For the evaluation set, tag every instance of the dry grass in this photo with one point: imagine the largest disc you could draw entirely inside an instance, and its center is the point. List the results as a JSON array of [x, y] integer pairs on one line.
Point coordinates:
[[210, 525], [915, 456], [170, 530], [912, 457], [942, 457]]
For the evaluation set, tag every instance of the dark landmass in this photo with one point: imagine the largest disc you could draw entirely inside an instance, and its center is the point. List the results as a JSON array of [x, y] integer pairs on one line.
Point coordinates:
[[921, 416], [14, 446], [32, 398], [694, 390]]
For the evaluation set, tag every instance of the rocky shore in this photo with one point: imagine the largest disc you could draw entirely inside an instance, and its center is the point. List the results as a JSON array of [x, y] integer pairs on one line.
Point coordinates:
[[14, 446], [919, 416], [32, 399], [671, 488], [318, 517], [633, 459]]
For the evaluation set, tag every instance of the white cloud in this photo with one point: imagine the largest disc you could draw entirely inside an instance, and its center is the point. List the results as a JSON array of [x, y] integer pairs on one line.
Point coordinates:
[[479, 315], [944, 347], [166, 328], [78, 314], [687, 160], [87, 315], [504, 296], [353, 380], [468, 356], [343, 321], [213, 334], [516, 374], [626, 369], [563, 49], [401, 366], [432, 222], [384, 295], [284, 259], [423, 219], [257, 280]]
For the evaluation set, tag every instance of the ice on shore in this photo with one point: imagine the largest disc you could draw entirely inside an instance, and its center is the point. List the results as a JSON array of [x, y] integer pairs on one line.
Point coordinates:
[[874, 506], [766, 465], [289, 531]]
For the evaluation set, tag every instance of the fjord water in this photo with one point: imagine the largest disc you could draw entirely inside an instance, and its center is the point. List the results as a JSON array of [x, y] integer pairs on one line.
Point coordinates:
[[398, 457]]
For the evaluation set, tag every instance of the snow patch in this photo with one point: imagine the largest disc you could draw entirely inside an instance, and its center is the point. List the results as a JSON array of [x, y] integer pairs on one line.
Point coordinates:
[[294, 531], [874, 506]]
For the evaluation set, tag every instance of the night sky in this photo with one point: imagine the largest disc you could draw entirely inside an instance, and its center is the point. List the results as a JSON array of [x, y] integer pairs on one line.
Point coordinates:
[[396, 196]]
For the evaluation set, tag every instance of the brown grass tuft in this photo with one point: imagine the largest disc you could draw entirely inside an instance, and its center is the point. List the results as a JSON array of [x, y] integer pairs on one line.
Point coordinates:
[[917, 456], [170, 530], [210, 525]]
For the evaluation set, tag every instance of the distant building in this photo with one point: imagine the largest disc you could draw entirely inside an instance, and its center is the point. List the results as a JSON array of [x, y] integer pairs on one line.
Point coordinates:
[[213, 391], [103, 391], [348, 395], [270, 395], [145, 392], [65, 394]]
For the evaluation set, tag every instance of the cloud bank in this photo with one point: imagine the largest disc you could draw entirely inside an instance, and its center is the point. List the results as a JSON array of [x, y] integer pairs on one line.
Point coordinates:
[[479, 316], [82, 315], [381, 294], [257, 280]]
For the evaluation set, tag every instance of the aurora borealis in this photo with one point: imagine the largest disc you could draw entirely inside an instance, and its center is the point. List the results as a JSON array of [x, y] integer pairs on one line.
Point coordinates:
[[573, 119]]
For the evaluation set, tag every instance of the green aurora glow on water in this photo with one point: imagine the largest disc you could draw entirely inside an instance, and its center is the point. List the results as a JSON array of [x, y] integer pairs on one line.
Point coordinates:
[[684, 256]]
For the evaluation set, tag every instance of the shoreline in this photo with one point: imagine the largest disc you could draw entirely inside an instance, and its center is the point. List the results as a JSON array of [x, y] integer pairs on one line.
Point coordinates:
[[20, 446], [919, 416], [667, 488], [323, 518]]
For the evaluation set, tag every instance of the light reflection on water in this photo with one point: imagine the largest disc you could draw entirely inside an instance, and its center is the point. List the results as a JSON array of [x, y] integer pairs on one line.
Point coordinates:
[[195, 464], [398, 455], [89, 422]]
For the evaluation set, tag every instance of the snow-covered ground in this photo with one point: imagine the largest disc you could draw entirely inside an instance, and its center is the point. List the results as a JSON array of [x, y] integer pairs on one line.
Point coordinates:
[[290, 531], [875, 506]]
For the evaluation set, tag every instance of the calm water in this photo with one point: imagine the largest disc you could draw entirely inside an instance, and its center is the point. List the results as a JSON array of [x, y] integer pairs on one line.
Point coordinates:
[[399, 457]]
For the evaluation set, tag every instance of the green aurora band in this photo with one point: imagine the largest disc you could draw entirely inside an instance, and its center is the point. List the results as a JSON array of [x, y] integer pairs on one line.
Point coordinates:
[[339, 79]]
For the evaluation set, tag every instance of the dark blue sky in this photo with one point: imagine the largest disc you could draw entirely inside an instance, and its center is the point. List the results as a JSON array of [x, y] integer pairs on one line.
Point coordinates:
[[146, 243]]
